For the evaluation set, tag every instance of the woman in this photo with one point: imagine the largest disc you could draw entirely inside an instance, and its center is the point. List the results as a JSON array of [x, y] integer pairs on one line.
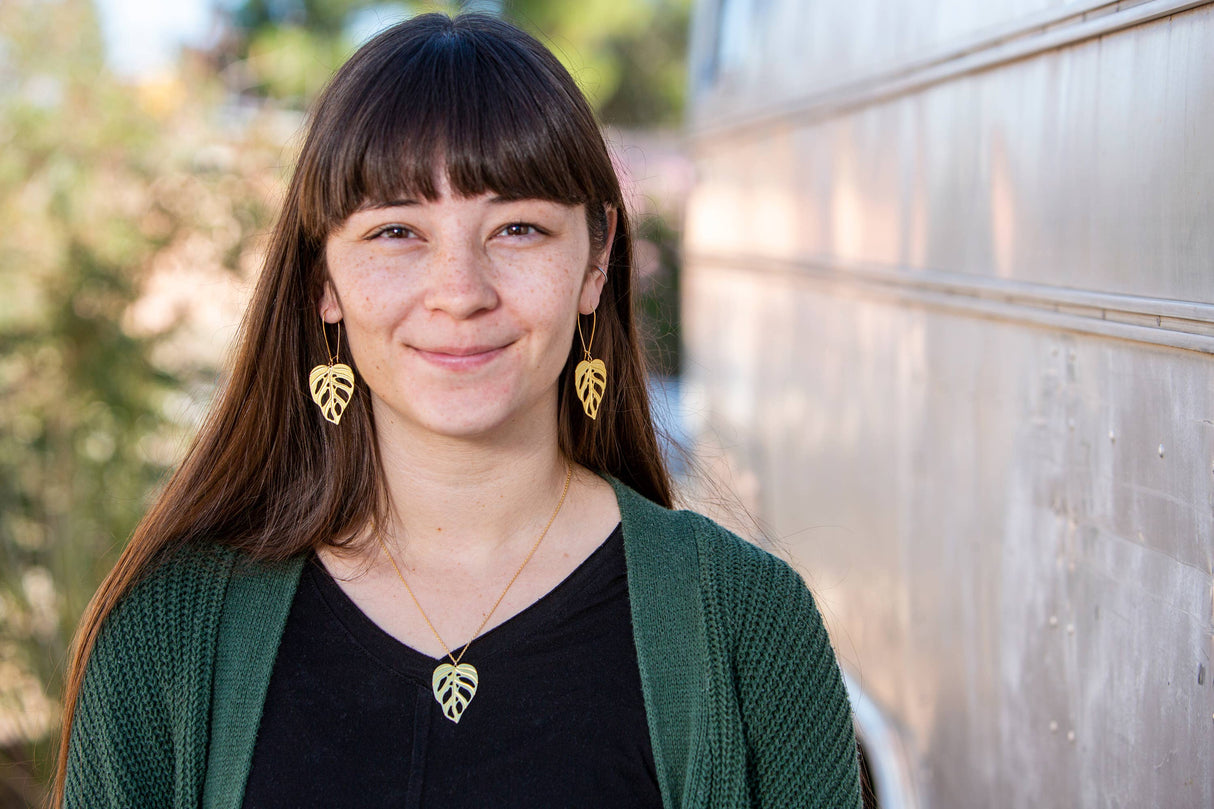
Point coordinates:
[[421, 552]]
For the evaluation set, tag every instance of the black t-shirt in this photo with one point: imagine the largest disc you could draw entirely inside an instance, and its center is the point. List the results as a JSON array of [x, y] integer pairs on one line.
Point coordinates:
[[558, 719]]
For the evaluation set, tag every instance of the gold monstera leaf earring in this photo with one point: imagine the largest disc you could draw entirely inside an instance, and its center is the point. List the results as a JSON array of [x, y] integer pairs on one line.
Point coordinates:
[[332, 384], [590, 376]]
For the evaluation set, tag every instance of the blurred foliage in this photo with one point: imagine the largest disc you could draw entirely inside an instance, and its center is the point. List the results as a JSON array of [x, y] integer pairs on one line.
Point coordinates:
[[105, 188], [658, 313], [628, 55], [76, 392]]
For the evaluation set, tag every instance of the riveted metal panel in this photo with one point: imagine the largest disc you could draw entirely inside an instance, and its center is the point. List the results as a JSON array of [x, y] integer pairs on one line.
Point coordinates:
[[950, 335]]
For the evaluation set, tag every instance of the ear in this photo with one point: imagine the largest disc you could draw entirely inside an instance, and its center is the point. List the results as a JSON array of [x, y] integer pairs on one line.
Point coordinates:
[[330, 306], [592, 285]]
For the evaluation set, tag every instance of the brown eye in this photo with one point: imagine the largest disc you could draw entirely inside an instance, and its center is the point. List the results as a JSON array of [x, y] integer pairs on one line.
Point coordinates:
[[392, 232], [519, 229]]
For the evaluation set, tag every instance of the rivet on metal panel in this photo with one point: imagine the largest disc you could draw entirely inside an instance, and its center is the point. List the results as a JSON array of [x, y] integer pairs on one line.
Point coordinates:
[[1053, 620], [1112, 436], [1161, 450], [1070, 629], [1053, 726], [1070, 425], [1070, 736]]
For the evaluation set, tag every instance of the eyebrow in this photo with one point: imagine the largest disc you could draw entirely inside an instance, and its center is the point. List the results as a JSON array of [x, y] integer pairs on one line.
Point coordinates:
[[391, 203], [496, 199]]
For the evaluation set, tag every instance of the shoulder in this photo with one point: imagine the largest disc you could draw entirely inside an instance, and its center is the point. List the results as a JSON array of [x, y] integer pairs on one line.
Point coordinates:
[[724, 550], [164, 612], [195, 575], [756, 592], [731, 570], [183, 595]]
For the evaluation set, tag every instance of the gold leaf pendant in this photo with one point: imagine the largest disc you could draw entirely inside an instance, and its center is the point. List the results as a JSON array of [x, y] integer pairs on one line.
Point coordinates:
[[590, 380], [454, 687], [332, 387]]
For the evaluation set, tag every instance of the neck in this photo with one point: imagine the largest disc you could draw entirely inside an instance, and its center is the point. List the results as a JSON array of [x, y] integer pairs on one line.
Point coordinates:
[[468, 497]]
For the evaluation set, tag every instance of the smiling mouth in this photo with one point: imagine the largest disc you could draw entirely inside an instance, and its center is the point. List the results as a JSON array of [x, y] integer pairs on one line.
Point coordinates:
[[459, 358], [460, 352]]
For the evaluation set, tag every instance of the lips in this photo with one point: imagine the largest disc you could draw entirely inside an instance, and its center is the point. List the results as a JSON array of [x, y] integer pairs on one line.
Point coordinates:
[[455, 351], [460, 357]]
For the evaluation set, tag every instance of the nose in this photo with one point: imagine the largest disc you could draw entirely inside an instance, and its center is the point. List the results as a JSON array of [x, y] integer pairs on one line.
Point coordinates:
[[460, 282]]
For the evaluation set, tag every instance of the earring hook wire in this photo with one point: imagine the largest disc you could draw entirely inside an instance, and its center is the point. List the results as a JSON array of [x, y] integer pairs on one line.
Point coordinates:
[[593, 323], [325, 333]]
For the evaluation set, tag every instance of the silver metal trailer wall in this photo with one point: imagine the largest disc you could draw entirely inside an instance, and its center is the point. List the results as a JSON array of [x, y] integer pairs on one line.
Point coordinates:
[[949, 322]]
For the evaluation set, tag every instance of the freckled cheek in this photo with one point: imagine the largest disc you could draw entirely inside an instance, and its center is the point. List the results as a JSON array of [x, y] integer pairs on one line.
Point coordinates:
[[372, 295], [547, 305], [554, 281]]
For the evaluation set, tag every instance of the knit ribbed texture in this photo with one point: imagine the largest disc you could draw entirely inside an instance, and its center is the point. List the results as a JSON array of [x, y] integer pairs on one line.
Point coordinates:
[[254, 615], [774, 723], [744, 699], [668, 628], [795, 718], [139, 738]]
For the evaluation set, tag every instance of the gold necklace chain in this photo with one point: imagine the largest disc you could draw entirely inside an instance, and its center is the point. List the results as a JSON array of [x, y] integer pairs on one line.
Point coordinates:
[[454, 685]]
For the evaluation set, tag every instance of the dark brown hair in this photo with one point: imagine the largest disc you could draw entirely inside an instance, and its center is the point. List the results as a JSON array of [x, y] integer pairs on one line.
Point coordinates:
[[267, 474]]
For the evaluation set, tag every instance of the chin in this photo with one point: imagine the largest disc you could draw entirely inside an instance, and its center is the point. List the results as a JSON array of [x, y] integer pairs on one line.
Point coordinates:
[[473, 414], [466, 422], [469, 428]]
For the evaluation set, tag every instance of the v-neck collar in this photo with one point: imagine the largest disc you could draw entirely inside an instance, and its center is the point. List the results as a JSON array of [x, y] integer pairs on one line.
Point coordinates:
[[661, 556], [409, 662]]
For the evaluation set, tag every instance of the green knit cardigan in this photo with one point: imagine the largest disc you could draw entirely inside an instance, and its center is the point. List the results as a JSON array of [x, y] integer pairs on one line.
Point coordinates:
[[744, 698]]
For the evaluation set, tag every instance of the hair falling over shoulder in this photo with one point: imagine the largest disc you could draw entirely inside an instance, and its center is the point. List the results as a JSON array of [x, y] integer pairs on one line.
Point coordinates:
[[267, 475]]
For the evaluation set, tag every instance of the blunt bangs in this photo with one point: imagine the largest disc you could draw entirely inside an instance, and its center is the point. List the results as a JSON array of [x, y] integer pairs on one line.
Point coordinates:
[[473, 97]]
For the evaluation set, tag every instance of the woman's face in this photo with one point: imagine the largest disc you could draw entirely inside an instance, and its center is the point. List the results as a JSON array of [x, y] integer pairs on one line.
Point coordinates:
[[460, 312]]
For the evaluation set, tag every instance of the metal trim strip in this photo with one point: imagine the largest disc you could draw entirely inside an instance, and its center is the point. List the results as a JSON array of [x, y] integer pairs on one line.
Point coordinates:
[[1047, 31], [889, 757], [1187, 325]]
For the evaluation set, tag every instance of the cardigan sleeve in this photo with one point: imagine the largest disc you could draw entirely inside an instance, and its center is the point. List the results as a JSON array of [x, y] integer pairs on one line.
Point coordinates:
[[801, 744], [139, 734]]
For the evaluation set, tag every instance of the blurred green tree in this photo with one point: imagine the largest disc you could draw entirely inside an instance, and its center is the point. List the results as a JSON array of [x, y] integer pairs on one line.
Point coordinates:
[[102, 184], [628, 55]]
